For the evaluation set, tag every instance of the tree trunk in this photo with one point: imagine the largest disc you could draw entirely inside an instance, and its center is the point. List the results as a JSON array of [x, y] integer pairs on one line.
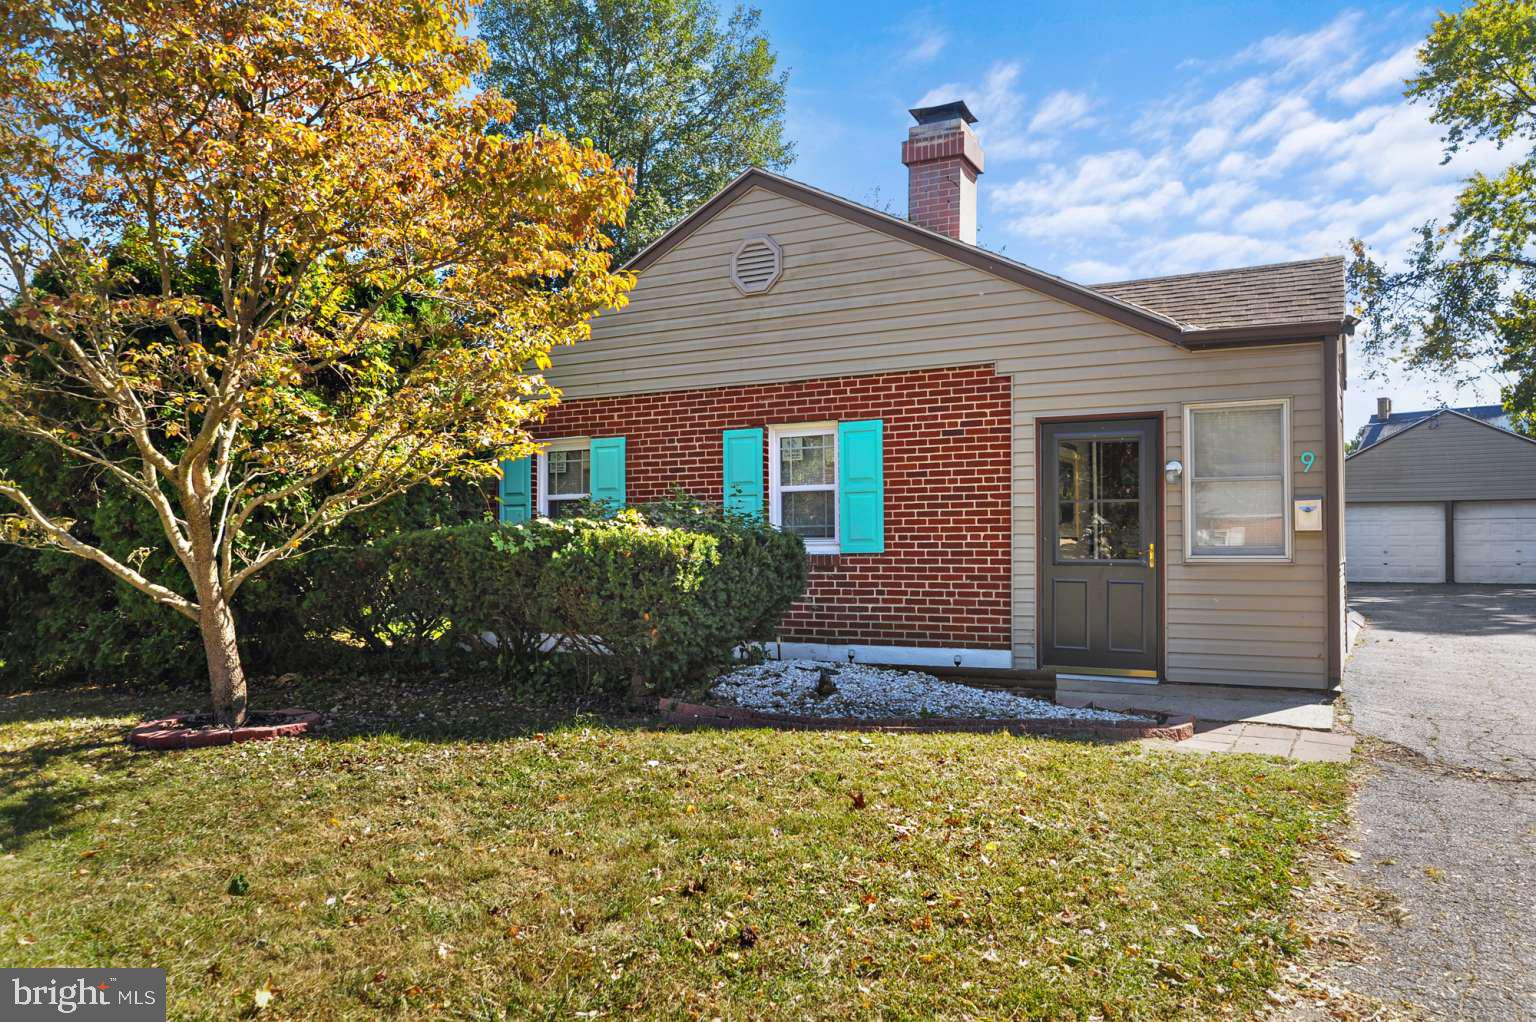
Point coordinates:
[[217, 622]]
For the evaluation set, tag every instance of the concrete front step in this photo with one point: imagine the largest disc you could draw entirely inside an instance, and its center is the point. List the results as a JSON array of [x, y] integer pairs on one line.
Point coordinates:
[[1297, 708]]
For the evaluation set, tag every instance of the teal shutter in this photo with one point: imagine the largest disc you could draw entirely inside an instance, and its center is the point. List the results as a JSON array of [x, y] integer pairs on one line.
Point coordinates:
[[743, 471], [516, 491], [861, 486], [608, 471]]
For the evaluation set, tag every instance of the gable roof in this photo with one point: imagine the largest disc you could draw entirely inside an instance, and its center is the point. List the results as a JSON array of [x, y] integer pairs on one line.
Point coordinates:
[[1377, 430], [1280, 304], [1462, 413]]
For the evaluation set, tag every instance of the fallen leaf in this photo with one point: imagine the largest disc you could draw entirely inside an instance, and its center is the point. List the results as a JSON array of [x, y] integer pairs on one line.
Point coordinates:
[[858, 799]]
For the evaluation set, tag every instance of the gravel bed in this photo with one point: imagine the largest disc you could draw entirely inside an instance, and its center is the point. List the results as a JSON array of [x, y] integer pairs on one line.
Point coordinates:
[[868, 693]]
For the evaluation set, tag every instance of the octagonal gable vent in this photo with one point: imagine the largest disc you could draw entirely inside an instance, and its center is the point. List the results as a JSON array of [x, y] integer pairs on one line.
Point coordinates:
[[756, 264]]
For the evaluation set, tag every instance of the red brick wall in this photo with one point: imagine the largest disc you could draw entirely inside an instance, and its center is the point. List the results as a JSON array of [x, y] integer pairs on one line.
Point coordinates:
[[933, 194], [944, 577]]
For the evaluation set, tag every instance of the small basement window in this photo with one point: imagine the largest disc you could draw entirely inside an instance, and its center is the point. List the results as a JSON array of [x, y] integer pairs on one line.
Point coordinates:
[[565, 477], [802, 479], [1239, 485]]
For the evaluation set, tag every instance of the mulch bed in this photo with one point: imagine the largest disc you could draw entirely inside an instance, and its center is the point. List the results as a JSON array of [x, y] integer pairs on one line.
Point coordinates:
[[194, 731], [1172, 728]]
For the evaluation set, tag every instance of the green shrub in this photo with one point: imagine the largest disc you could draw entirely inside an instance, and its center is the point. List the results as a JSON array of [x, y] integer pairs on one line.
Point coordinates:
[[636, 593], [658, 597], [654, 597], [762, 571]]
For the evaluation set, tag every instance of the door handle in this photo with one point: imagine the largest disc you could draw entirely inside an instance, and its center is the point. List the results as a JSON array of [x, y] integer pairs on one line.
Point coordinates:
[[1151, 555]]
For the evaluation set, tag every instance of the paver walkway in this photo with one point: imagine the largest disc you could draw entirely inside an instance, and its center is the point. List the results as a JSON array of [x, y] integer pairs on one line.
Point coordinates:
[[1269, 740]]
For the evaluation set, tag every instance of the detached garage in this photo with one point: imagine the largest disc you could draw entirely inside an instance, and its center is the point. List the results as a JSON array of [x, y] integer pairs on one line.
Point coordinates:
[[1446, 496]]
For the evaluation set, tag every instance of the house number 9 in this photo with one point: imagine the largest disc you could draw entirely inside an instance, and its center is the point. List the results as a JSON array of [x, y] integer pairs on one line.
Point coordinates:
[[1307, 458]]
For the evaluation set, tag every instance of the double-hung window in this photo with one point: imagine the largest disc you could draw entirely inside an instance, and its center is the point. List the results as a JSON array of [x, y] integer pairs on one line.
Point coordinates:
[[1239, 484], [802, 474], [565, 477]]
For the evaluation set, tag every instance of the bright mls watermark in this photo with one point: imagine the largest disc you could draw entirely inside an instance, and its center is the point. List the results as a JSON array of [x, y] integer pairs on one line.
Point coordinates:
[[114, 995]]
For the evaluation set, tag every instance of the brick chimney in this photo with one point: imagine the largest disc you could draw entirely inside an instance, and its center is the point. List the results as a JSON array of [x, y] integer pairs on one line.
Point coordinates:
[[943, 157], [1383, 407]]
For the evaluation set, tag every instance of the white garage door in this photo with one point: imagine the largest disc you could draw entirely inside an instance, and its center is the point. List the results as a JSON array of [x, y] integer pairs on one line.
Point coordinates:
[[1395, 542], [1496, 541]]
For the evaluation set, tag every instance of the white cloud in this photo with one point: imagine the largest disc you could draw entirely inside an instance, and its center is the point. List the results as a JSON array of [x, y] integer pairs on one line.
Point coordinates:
[[1095, 271], [925, 49], [922, 38], [1275, 215], [1061, 110], [1206, 142], [998, 104], [1306, 51], [1203, 250], [1214, 203], [1381, 76]]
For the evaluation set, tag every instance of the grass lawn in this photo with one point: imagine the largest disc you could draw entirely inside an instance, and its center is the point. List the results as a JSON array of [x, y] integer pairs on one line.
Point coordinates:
[[443, 851]]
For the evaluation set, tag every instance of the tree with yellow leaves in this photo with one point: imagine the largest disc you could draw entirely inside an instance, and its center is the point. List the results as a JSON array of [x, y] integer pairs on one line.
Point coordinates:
[[342, 285]]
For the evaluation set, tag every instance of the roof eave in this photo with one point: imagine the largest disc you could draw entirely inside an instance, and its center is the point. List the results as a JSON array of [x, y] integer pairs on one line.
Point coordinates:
[[1198, 339]]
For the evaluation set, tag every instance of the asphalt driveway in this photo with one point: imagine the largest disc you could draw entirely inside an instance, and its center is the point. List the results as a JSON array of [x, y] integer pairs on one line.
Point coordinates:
[[1443, 690]]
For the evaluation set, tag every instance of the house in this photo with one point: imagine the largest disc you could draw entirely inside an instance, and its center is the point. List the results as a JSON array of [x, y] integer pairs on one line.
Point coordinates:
[[993, 468], [1447, 495]]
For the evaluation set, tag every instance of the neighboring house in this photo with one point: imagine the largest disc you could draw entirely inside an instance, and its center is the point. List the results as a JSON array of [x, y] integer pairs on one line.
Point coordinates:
[[1442, 496], [1386, 422], [992, 467]]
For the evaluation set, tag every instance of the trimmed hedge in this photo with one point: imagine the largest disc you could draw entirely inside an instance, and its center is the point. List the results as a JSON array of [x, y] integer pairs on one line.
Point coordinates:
[[661, 595]]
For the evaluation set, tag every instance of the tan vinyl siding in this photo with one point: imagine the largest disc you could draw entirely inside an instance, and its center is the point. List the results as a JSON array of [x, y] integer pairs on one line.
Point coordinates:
[[853, 300], [1446, 458], [1251, 623]]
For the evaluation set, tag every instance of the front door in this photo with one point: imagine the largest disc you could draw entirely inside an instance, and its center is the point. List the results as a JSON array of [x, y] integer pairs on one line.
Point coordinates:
[[1100, 533]]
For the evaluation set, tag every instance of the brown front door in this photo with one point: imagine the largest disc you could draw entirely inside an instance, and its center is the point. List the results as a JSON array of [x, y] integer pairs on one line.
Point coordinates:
[[1099, 523]]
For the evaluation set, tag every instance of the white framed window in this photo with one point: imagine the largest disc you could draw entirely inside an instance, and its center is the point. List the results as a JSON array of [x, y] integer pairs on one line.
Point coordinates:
[[1238, 481], [802, 483], [565, 476]]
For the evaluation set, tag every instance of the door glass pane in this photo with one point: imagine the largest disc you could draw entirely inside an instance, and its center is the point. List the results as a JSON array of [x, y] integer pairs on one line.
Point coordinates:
[[1098, 493], [1074, 541], [1072, 469], [807, 460], [1119, 530], [1119, 469], [809, 514]]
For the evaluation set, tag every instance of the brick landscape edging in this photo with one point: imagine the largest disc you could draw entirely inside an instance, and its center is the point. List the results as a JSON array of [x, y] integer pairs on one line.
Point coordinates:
[[675, 711], [172, 732]]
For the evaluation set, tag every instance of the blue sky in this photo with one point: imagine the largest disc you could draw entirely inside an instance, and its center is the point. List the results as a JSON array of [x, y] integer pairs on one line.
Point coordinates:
[[1141, 139]]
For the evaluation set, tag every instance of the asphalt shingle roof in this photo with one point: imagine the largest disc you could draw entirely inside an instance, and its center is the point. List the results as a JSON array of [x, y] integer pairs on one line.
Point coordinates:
[[1301, 292]]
